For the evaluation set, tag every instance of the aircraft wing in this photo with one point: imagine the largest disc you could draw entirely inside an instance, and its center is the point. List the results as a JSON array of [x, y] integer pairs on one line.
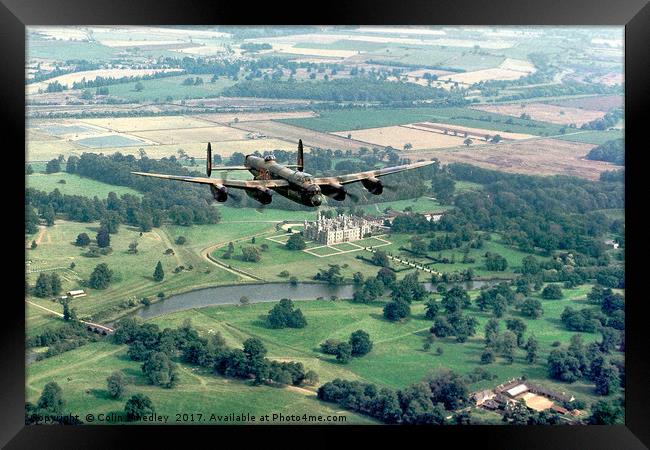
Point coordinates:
[[353, 177], [237, 184]]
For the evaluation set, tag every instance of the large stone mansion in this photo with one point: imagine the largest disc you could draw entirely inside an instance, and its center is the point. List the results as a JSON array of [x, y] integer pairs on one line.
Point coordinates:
[[343, 228]]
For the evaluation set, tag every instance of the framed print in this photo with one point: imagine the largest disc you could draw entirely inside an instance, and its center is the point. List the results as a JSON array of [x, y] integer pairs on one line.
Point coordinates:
[[372, 219]]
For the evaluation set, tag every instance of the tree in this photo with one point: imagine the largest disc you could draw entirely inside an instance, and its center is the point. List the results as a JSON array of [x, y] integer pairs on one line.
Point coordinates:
[[487, 357], [244, 301], [83, 240], [507, 345], [386, 276], [468, 142], [43, 287], [607, 379], [441, 327], [181, 240], [552, 292], [531, 308], [284, 315], [110, 221], [495, 262], [432, 308], [115, 384], [296, 242], [51, 399], [139, 87], [455, 299], [603, 413], [531, 347], [379, 258], [518, 327], [160, 370], [360, 343], [492, 329], [68, 314], [103, 238], [34, 245], [53, 166], [138, 406], [251, 254], [344, 352], [159, 273], [100, 277], [396, 310]]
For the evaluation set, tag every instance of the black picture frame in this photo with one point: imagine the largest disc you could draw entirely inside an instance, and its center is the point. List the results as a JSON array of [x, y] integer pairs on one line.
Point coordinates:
[[633, 14]]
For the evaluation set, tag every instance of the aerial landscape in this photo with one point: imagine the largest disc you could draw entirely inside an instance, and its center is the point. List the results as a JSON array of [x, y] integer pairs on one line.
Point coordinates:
[[481, 283]]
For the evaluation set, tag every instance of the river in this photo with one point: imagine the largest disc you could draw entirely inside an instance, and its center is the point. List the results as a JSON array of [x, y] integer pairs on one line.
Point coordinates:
[[261, 292]]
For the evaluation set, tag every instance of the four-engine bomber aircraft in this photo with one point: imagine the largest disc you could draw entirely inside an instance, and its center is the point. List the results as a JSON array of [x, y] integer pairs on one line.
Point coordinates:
[[287, 180]]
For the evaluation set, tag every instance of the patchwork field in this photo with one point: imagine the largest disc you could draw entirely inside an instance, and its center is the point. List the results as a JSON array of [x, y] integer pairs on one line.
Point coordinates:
[[478, 133], [399, 135], [562, 115], [596, 103], [128, 124], [203, 134], [292, 133], [532, 157], [469, 78], [341, 120]]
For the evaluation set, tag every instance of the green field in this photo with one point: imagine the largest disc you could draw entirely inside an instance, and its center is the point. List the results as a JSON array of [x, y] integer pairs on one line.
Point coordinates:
[[74, 185], [53, 50], [397, 358], [593, 137], [132, 273], [82, 374], [418, 205], [160, 89], [342, 120]]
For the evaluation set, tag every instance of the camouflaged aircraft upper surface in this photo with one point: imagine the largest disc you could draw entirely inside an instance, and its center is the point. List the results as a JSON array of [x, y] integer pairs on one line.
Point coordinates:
[[290, 181]]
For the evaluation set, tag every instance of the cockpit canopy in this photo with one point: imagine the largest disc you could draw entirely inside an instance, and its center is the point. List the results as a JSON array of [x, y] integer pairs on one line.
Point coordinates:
[[268, 158]]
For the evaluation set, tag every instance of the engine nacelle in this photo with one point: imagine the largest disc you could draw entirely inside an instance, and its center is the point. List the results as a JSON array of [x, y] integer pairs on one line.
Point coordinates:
[[335, 191], [373, 185], [219, 192], [263, 196]]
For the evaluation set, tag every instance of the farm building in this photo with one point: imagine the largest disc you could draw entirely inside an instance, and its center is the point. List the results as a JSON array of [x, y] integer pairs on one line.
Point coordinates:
[[516, 390], [76, 294], [481, 397]]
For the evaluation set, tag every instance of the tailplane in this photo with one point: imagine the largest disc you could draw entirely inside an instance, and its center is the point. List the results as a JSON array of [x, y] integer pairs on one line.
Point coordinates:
[[301, 158]]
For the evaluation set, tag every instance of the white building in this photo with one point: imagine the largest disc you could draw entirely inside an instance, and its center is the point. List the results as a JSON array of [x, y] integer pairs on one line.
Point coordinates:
[[339, 229]]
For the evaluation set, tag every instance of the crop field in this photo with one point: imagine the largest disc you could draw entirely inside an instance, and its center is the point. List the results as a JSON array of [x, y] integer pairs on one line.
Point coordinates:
[[136, 124], [593, 137], [82, 374], [398, 136], [74, 185], [532, 157], [469, 78], [111, 140], [227, 118], [54, 51], [169, 88], [192, 135], [562, 115], [341, 120], [397, 358], [420, 204], [598, 103], [291, 133], [456, 130]]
